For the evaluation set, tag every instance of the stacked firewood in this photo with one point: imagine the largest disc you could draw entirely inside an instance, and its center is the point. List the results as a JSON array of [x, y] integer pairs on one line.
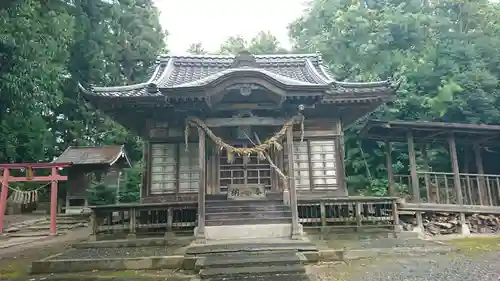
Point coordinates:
[[448, 223]]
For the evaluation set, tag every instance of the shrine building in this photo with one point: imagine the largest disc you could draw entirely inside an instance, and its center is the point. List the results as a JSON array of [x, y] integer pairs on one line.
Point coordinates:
[[260, 129]]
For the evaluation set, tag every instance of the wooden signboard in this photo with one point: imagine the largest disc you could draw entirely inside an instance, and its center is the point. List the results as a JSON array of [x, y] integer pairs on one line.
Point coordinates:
[[246, 191]]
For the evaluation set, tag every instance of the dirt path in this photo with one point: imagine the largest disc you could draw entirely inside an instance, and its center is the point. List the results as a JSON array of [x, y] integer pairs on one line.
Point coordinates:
[[15, 261]]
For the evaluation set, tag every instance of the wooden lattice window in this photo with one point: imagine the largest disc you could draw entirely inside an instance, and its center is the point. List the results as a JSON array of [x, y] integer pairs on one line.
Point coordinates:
[[189, 173], [169, 160], [314, 165], [301, 165], [163, 168], [324, 170]]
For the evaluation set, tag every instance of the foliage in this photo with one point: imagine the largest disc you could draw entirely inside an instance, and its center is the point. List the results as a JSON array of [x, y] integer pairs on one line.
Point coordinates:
[[46, 48], [445, 52], [196, 49], [262, 43], [442, 50]]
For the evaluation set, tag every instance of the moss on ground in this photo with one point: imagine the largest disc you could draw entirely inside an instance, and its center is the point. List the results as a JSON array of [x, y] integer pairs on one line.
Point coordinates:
[[473, 245], [20, 265]]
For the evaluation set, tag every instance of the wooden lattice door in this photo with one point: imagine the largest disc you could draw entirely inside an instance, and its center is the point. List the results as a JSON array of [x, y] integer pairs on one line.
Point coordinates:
[[243, 170]]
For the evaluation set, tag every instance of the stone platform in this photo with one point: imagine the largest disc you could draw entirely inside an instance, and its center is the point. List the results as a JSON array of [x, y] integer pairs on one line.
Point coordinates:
[[242, 219]]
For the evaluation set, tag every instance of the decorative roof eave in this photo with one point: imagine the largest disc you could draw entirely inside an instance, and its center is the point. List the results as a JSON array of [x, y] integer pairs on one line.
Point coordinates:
[[373, 92], [217, 78], [122, 154], [148, 88], [320, 79], [93, 155], [220, 59]]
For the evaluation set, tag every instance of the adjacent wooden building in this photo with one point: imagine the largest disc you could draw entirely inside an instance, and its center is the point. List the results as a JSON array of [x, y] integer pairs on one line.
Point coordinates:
[[103, 163], [241, 126]]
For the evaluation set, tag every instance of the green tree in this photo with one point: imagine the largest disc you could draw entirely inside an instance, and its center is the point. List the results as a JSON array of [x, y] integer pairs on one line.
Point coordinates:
[[196, 49], [262, 43], [442, 50], [46, 48]]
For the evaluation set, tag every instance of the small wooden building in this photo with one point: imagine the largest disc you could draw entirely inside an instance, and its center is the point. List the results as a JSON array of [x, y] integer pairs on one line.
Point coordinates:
[[266, 117], [105, 163]]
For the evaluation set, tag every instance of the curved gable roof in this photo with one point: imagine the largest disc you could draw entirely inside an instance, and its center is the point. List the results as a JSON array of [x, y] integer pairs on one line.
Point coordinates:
[[295, 71]]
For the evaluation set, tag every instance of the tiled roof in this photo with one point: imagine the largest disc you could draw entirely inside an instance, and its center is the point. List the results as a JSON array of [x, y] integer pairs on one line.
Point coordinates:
[[181, 72], [92, 155]]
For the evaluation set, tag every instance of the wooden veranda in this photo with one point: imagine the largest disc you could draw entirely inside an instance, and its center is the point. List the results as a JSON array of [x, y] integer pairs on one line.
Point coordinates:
[[464, 188]]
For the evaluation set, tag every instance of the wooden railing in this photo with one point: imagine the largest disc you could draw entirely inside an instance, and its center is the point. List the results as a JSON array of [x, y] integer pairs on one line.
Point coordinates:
[[439, 188], [132, 220], [349, 212], [129, 220]]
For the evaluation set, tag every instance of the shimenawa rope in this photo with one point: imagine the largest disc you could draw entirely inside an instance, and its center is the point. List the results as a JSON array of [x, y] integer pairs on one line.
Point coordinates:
[[260, 149]]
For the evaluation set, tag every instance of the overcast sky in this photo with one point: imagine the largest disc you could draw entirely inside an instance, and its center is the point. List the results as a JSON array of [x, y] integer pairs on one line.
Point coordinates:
[[212, 21]]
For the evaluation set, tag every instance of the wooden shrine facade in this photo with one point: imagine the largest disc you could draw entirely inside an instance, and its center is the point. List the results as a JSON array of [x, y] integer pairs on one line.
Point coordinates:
[[242, 102]]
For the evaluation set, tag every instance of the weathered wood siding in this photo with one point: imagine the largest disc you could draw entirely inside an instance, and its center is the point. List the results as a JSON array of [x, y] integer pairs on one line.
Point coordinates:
[[317, 157], [173, 169]]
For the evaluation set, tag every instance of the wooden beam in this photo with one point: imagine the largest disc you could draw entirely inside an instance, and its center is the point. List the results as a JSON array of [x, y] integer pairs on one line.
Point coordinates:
[[291, 185], [390, 173], [245, 121], [37, 179], [202, 186], [483, 193], [414, 177], [340, 159], [427, 179], [455, 168]]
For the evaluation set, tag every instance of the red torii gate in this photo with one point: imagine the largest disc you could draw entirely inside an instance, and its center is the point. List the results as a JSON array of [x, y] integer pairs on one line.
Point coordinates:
[[54, 177]]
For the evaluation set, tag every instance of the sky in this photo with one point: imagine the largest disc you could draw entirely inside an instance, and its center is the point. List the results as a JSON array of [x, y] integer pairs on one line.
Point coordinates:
[[212, 21]]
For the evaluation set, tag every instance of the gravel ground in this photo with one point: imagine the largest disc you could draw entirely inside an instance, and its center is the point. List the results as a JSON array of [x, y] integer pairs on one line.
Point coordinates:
[[124, 252], [452, 267], [372, 242]]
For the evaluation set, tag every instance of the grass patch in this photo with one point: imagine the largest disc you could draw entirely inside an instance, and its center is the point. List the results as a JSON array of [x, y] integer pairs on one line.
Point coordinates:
[[19, 264], [476, 244]]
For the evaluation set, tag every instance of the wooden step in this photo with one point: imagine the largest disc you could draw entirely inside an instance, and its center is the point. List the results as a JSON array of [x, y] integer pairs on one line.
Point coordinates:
[[248, 215], [247, 221], [233, 209]]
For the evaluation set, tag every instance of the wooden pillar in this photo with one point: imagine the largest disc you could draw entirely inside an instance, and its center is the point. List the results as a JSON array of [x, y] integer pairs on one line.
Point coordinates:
[[427, 179], [464, 228], [414, 177], [200, 231], [53, 203], [390, 173], [296, 233], [3, 196], [339, 150], [483, 193], [132, 213], [145, 170], [455, 169]]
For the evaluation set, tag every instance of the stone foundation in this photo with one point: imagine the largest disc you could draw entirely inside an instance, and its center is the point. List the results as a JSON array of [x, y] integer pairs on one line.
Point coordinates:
[[248, 231]]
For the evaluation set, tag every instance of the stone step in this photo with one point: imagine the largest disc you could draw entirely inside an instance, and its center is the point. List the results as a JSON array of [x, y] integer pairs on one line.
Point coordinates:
[[234, 209], [251, 272], [47, 222], [259, 246], [275, 277], [258, 259], [248, 221], [263, 202], [60, 226], [248, 215]]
